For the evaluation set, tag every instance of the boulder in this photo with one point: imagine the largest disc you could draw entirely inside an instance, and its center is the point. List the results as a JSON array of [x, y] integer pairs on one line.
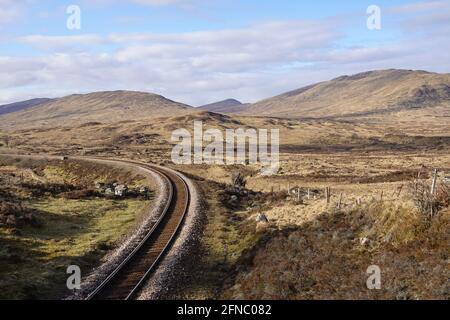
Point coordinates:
[[143, 190], [99, 185], [262, 218], [270, 171], [121, 190]]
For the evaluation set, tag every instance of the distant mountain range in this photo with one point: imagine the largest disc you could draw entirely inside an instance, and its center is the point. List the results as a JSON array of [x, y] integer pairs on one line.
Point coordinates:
[[225, 106], [371, 93]]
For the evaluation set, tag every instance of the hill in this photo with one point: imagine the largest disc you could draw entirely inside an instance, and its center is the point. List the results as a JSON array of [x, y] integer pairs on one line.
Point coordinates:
[[22, 105], [101, 107], [364, 94], [225, 106]]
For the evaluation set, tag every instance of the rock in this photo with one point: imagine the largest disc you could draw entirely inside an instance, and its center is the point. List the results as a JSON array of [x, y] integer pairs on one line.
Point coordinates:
[[121, 190], [143, 190], [99, 185], [234, 198], [365, 241], [11, 220], [271, 171], [262, 218]]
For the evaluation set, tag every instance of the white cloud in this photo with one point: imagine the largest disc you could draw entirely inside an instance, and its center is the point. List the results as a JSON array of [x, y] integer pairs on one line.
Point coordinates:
[[172, 64], [248, 63], [11, 10], [62, 43]]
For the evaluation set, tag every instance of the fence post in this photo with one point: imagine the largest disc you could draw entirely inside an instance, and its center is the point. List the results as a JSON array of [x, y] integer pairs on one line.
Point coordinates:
[[433, 190], [434, 182], [328, 194]]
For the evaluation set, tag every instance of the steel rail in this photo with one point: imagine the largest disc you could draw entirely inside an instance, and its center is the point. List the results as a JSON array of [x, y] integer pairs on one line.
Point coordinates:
[[169, 178]]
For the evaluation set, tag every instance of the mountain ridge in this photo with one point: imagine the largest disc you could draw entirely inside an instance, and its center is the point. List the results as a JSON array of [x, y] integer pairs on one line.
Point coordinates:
[[22, 105], [103, 106], [371, 92]]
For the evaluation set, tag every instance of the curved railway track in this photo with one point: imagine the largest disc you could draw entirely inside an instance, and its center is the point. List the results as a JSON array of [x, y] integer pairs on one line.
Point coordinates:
[[127, 279]]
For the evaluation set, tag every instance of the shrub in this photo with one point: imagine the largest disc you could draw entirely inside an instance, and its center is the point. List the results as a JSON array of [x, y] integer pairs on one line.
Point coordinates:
[[238, 181], [429, 205]]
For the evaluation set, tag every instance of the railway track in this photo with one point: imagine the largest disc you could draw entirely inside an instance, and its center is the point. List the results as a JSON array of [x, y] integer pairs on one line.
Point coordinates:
[[127, 279]]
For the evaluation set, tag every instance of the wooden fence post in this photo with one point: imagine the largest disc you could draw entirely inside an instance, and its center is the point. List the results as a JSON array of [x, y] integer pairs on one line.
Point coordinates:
[[340, 201], [328, 194], [433, 190], [434, 182]]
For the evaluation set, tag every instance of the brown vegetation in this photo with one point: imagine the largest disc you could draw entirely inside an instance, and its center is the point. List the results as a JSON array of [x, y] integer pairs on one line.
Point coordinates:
[[327, 258]]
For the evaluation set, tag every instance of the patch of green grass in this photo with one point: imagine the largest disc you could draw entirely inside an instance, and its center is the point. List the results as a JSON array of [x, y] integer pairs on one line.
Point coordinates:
[[73, 232], [226, 235]]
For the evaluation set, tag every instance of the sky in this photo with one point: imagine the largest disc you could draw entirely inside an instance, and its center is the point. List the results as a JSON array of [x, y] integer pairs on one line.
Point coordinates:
[[202, 51]]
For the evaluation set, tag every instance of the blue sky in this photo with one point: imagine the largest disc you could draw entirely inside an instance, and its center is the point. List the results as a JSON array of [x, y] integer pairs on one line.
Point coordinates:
[[199, 51]]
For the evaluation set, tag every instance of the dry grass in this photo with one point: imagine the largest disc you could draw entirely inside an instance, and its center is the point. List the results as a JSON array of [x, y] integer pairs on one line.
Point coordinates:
[[429, 204], [42, 232], [363, 94], [94, 108], [309, 250], [325, 258]]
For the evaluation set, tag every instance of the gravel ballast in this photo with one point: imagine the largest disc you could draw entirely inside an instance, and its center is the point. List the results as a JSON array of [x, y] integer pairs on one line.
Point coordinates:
[[132, 240], [165, 275]]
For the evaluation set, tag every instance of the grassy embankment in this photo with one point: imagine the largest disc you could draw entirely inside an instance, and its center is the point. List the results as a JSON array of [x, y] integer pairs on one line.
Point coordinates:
[[34, 256]]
